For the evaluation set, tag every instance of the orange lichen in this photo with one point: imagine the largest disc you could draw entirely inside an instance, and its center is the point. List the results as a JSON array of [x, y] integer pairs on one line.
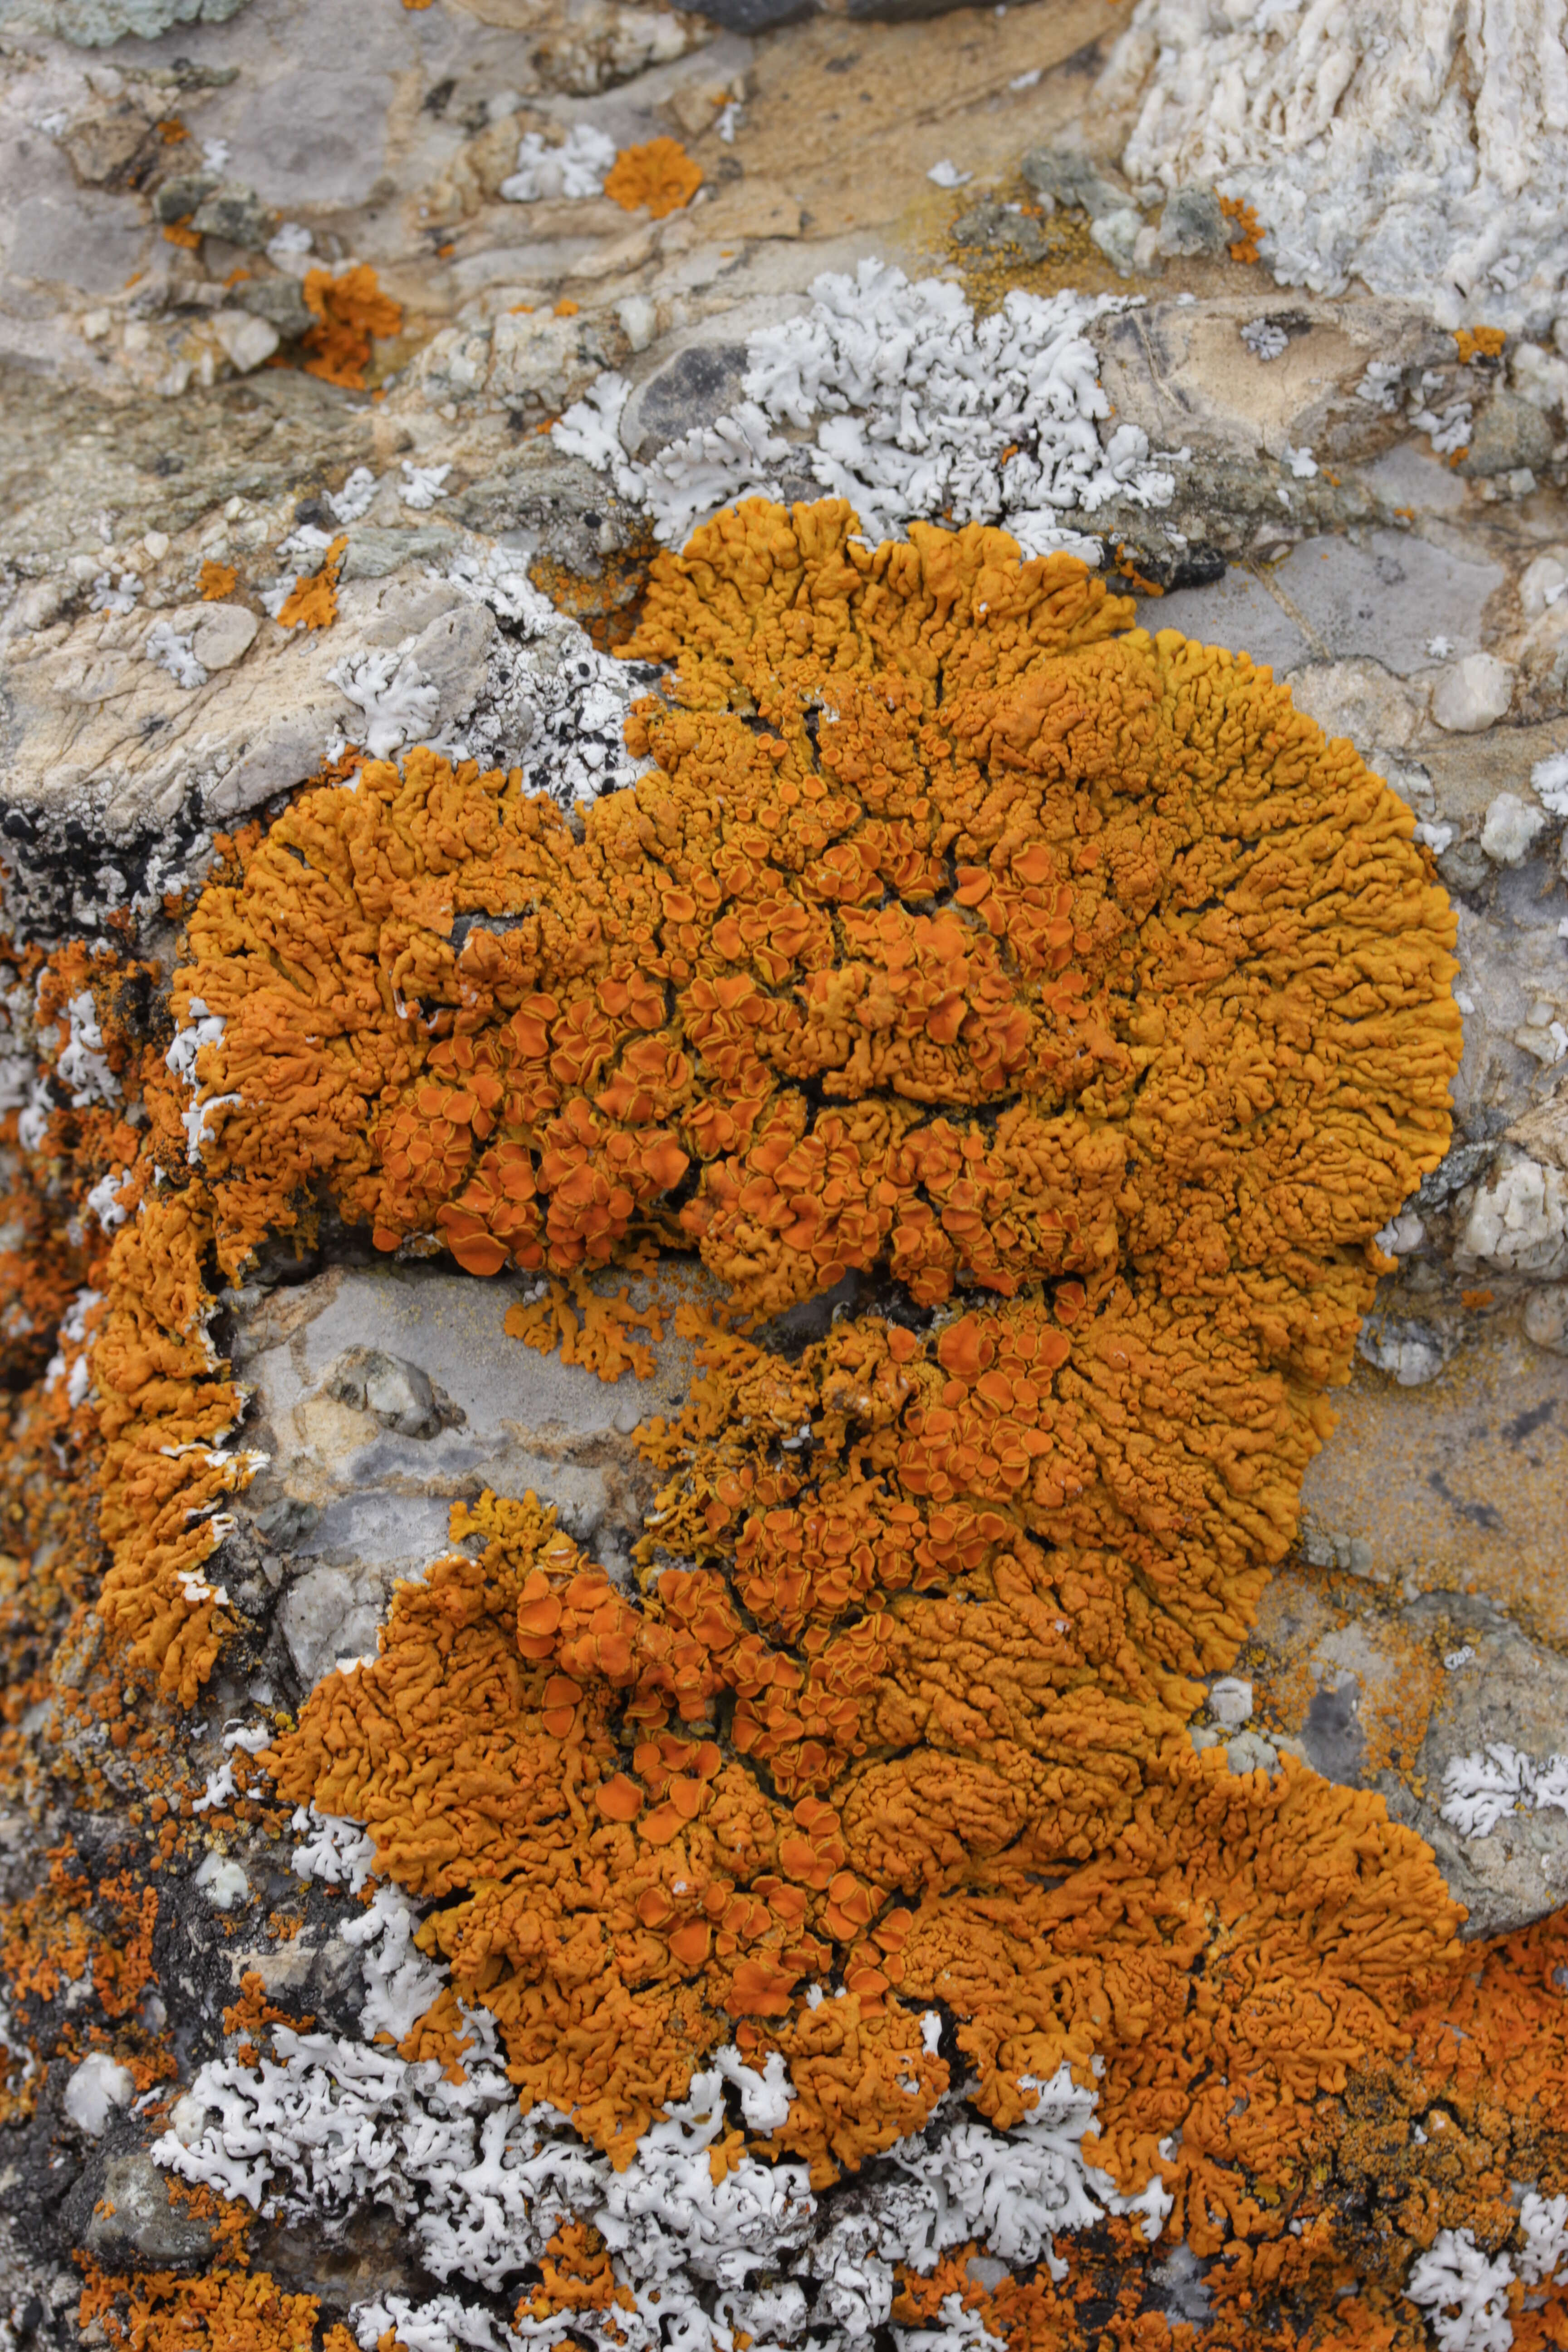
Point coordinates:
[[659, 174], [181, 233], [225, 2311], [349, 311], [588, 1329], [961, 934], [1480, 343], [312, 602], [979, 1603], [1246, 244], [976, 1078], [216, 581]]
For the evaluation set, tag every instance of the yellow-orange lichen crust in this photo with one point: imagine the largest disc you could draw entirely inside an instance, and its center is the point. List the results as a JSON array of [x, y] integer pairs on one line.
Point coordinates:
[[960, 929], [954, 1636], [962, 932]]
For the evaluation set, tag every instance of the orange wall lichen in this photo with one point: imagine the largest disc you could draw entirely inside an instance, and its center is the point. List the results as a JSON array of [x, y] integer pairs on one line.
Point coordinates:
[[659, 174], [961, 934]]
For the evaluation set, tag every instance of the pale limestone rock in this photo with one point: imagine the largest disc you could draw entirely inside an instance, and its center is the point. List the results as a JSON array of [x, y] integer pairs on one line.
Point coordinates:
[[1473, 695]]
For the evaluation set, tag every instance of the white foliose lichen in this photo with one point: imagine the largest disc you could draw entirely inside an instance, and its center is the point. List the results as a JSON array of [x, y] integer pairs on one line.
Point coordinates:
[[352, 502], [328, 2124], [1544, 2226], [1463, 2293], [1420, 149], [72, 1359], [82, 1067], [398, 701], [577, 168], [907, 405], [421, 485], [171, 651], [198, 1028], [1482, 1789], [1263, 340]]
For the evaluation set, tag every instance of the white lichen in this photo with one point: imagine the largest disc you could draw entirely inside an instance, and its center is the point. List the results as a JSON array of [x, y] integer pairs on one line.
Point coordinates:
[[1543, 2225], [82, 1067], [174, 652], [576, 168], [327, 2124], [398, 701], [421, 485], [354, 500], [1517, 1219], [1481, 1790], [1263, 340], [908, 405], [1463, 2293], [1421, 151], [199, 1028]]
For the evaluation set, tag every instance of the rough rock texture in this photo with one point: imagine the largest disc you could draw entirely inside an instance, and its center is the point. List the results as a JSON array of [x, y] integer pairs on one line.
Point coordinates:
[[357, 358]]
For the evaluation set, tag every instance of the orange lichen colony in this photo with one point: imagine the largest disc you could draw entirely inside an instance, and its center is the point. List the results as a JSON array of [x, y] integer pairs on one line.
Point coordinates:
[[959, 933], [659, 174], [348, 310]]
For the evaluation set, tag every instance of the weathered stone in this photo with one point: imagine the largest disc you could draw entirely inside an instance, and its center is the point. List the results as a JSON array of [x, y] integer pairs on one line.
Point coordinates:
[[95, 24], [235, 213], [135, 2223], [1473, 695], [1511, 433], [1071, 178], [247, 340], [1192, 224], [280, 300]]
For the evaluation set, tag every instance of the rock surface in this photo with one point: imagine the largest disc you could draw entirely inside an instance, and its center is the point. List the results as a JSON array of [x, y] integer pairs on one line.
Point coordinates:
[[222, 573]]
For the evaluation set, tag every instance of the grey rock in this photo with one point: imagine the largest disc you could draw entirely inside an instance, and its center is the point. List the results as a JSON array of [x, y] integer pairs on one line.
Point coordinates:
[[94, 23], [178, 198], [280, 300], [1387, 598], [1116, 233], [690, 390], [1193, 223], [93, 246], [1238, 612], [134, 2222], [453, 652], [1359, 699], [753, 15], [1546, 1317], [284, 749], [375, 554], [1410, 1348], [397, 1392], [997, 228], [110, 149], [287, 1522], [1331, 1737], [1073, 179], [1459, 1167], [222, 634], [1465, 866], [1510, 433], [238, 214], [327, 1614], [1511, 1692]]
